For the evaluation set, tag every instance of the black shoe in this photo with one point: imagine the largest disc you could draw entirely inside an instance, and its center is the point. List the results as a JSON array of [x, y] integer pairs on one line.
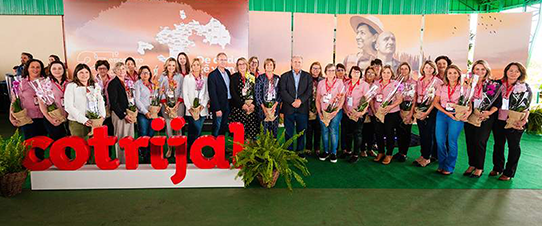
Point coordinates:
[[333, 158], [402, 158], [323, 156], [476, 176], [433, 159], [353, 159], [301, 155]]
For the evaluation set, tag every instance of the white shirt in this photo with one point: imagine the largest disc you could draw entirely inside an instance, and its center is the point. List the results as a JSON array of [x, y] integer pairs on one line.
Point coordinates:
[[75, 103], [142, 97], [190, 93]]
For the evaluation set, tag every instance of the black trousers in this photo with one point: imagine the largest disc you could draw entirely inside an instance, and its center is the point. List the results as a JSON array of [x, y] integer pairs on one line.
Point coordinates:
[[502, 136], [387, 129], [368, 134], [428, 141], [476, 138], [403, 137], [314, 135], [353, 132], [345, 136]]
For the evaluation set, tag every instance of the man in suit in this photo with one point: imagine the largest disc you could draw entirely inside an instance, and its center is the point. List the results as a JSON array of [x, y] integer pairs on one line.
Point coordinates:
[[295, 90], [218, 83]]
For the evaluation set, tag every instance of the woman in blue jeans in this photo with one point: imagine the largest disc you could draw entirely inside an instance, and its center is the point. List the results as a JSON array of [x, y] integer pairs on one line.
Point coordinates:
[[329, 102], [195, 87], [447, 124], [143, 93]]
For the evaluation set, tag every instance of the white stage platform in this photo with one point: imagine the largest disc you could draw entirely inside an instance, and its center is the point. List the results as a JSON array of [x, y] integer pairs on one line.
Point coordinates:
[[91, 177]]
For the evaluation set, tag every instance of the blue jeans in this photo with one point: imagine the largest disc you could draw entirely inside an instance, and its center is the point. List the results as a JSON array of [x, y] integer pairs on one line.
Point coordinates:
[[332, 129], [220, 124], [194, 130], [299, 121], [144, 129], [446, 127]]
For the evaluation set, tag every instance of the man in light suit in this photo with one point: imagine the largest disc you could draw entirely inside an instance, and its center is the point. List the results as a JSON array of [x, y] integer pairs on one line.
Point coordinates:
[[218, 83], [295, 90]]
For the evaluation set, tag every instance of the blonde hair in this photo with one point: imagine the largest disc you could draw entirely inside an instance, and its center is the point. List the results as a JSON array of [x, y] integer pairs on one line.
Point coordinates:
[[485, 65], [117, 66], [432, 64], [391, 70], [451, 67], [237, 63], [171, 59]]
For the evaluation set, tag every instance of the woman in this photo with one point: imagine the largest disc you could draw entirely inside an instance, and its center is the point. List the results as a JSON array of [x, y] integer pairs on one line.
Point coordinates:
[[368, 130], [183, 64], [195, 86], [353, 124], [57, 75], [253, 66], [407, 110], [131, 69], [313, 135], [33, 71], [476, 137], [119, 99], [83, 96], [346, 149], [426, 88], [392, 118], [330, 99], [172, 101], [513, 83], [102, 79], [268, 97], [242, 89], [448, 126], [52, 58], [143, 90], [442, 63]]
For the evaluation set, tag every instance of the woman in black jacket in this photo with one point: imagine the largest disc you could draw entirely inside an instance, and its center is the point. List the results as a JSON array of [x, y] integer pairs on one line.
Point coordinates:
[[243, 107]]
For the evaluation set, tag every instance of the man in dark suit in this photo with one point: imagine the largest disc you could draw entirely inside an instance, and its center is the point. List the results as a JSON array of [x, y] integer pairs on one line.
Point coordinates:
[[218, 83], [295, 90]]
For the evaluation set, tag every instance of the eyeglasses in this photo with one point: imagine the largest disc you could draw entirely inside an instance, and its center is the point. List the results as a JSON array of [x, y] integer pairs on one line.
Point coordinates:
[[146, 73]]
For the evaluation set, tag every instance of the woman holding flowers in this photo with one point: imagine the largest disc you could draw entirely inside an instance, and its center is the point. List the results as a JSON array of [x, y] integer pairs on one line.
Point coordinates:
[[83, 102], [52, 100], [512, 117], [486, 102], [408, 91], [368, 131], [242, 99], [355, 107], [171, 82], [268, 97], [195, 97], [143, 93], [313, 132], [386, 108], [329, 103], [448, 124], [425, 115]]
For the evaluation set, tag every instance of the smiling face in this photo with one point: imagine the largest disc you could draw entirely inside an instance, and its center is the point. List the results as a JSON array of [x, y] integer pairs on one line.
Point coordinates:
[[330, 72], [452, 75], [269, 67], [171, 67], [386, 74], [83, 75], [145, 75], [385, 43], [120, 72], [404, 70], [102, 70], [370, 76], [340, 72], [480, 70], [428, 70], [242, 66], [316, 70], [254, 65], [513, 74], [297, 62], [57, 70], [131, 65], [222, 61], [182, 60], [355, 75], [442, 64], [34, 70], [364, 37], [196, 67]]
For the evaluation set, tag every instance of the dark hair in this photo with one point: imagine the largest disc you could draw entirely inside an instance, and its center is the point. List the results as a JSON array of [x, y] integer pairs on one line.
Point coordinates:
[[55, 57], [316, 63], [339, 65], [399, 68], [268, 60], [220, 54], [448, 61], [352, 69], [130, 59], [328, 66], [371, 29], [186, 65], [28, 55], [367, 70], [100, 63], [376, 62], [521, 69], [27, 66], [143, 68], [64, 74], [78, 68]]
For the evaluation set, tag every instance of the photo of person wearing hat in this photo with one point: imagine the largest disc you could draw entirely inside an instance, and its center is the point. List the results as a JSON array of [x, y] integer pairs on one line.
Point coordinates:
[[367, 29]]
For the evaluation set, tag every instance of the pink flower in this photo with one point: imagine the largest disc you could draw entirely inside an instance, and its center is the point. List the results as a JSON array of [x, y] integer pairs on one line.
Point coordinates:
[[520, 88]]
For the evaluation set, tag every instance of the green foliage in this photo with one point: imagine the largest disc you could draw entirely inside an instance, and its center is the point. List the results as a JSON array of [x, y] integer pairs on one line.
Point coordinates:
[[264, 155], [132, 107], [196, 102], [51, 107], [12, 153], [17, 105], [535, 121], [92, 115]]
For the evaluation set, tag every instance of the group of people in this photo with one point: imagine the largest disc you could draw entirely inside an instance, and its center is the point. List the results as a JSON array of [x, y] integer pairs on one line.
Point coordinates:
[[352, 111]]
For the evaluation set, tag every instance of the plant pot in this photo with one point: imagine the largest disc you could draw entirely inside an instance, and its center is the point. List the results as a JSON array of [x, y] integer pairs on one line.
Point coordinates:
[[249, 102], [380, 115], [153, 110], [475, 120], [269, 115], [171, 112], [22, 117], [195, 112], [461, 111], [326, 118], [270, 184], [513, 117], [57, 114], [404, 116], [312, 115], [132, 115], [11, 184]]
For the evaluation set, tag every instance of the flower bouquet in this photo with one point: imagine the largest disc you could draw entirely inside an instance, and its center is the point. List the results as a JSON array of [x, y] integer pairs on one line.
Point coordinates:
[[380, 113], [93, 112], [196, 106], [330, 109], [427, 100], [18, 112], [131, 111], [154, 107], [248, 90], [268, 111], [171, 100], [44, 91], [408, 91], [364, 102], [491, 91], [462, 107], [520, 100], [312, 105]]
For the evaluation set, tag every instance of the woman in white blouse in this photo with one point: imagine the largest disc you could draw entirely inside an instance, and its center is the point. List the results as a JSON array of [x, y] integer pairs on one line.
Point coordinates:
[[83, 99], [195, 86]]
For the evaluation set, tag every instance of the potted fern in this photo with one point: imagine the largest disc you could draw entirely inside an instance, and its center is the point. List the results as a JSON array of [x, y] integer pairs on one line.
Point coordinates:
[[266, 159], [12, 172]]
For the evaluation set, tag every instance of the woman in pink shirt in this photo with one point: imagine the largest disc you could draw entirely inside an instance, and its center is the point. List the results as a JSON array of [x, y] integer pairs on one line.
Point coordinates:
[[33, 70], [448, 127], [131, 69], [386, 87], [330, 96], [513, 84], [408, 91], [368, 130], [57, 74], [355, 89]]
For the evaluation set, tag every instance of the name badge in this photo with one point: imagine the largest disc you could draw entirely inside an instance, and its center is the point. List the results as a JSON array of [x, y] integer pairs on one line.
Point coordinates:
[[379, 98], [450, 107], [477, 103], [350, 101], [327, 98], [62, 101], [505, 103]]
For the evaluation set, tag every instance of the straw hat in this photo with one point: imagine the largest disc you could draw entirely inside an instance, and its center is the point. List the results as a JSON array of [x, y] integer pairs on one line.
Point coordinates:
[[372, 21]]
